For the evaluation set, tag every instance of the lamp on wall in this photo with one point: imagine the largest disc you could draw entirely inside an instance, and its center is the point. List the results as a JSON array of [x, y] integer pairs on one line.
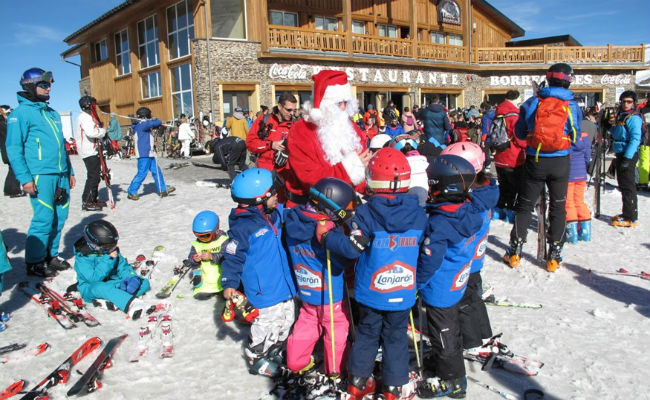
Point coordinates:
[[474, 27]]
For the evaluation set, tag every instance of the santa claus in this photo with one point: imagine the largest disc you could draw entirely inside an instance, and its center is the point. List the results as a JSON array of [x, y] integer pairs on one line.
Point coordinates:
[[325, 143]]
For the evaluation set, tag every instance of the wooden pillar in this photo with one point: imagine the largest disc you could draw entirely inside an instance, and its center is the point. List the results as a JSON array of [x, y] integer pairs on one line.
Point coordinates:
[[347, 25], [264, 14], [414, 28], [609, 53], [467, 40], [545, 54]]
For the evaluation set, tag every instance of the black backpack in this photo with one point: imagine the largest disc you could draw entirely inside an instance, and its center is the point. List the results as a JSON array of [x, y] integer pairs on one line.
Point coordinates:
[[499, 139]]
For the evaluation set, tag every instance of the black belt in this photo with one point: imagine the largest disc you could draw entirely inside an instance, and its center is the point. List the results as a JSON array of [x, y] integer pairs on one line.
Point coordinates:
[[297, 198]]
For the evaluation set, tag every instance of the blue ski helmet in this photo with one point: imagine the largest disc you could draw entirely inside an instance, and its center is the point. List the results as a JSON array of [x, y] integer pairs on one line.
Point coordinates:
[[34, 76], [254, 185], [205, 222], [450, 175]]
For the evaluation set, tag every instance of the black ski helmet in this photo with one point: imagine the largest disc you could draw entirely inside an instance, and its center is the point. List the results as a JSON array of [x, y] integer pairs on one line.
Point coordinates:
[[143, 112], [101, 236], [86, 102], [559, 74], [628, 94], [450, 177], [334, 197]]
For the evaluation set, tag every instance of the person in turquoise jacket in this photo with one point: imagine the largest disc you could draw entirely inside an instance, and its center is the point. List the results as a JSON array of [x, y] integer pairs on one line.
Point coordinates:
[[36, 150], [4, 262], [104, 274]]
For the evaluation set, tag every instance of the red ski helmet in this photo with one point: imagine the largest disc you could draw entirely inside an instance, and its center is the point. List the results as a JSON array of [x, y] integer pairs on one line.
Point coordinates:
[[470, 151], [388, 171]]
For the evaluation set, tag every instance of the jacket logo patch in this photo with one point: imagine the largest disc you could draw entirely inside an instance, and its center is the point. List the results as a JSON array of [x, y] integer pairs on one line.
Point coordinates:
[[393, 277], [231, 247], [394, 241], [261, 232], [461, 278], [481, 247], [307, 278]]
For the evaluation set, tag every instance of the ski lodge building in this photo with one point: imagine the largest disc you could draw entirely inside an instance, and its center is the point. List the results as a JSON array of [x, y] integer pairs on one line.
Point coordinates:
[[206, 57]]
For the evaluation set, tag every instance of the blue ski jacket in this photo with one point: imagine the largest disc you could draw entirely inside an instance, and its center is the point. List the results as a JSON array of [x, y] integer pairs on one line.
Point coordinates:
[[447, 253], [385, 270], [254, 256], [309, 258], [483, 199], [626, 134], [35, 142], [527, 112], [144, 138]]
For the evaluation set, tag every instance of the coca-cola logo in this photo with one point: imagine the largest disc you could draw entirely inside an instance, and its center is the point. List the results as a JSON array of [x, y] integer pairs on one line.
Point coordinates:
[[307, 278], [461, 278], [393, 277], [620, 79], [293, 71]]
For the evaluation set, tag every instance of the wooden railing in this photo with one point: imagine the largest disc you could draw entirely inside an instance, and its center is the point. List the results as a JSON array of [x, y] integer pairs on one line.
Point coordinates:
[[284, 37]]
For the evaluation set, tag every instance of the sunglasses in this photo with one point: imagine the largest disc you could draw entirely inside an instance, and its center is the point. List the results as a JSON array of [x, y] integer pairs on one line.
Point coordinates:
[[627, 101], [289, 109], [44, 85]]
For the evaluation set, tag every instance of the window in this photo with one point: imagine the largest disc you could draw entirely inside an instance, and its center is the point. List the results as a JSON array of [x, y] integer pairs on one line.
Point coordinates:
[[122, 54], [283, 18], [438, 37], [182, 100], [388, 30], [151, 85], [359, 27], [148, 42], [180, 28], [456, 40], [100, 51], [326, 23], [228, 19]]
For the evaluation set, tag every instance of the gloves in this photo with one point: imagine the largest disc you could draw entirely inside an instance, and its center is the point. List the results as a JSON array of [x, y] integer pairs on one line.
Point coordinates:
[[280, 158], [625, 163], [322, 228], [131, 284]]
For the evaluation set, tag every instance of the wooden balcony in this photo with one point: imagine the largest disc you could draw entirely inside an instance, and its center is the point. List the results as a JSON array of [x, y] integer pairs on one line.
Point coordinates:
[[283, 38]]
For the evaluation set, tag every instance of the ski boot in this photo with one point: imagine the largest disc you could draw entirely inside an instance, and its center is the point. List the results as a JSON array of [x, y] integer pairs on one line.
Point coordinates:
[[259, 364], [137, 307], [359, 387], [132, 196], [584, 231], [395, 393], [554, 258], [167, 191], [437, 387], [90, 207], [41, 269], [275, 354], [498, 213], [572, 232], [58, 263], [623, 222], [513, 253]]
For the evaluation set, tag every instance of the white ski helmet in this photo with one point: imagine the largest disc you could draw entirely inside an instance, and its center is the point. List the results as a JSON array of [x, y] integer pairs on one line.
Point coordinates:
[[379, 141]]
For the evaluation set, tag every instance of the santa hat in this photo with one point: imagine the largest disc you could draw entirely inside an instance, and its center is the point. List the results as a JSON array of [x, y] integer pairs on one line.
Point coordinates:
[[330, 87]]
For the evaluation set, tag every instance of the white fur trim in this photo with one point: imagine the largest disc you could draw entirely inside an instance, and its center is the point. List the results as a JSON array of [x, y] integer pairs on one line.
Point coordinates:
[[354, 167], [337, 93]]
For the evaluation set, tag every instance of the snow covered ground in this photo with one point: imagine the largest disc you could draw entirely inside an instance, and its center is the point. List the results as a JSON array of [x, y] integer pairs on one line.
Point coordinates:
[[592, 332]]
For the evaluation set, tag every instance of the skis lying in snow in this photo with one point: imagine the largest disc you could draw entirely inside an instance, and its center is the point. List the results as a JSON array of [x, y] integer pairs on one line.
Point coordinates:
[[72, 305], [494, 389], [623, 272], [177, 165], [492, 301], [12, 347], [179, 272], [13, 389], [53, 307], [496, 354], [166, 337], [61, 373], [90, 380], [24, 352], [152, 330]]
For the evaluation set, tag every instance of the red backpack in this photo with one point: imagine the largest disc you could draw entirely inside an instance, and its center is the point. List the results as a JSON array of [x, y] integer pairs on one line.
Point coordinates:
[[550, 120]]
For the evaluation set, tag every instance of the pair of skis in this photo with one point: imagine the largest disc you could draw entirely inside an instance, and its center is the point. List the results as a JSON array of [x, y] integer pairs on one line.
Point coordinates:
[[105, 172], [496, 354], [18, 351], [623, 272], [157, 324], [67, 310], [179, 272]]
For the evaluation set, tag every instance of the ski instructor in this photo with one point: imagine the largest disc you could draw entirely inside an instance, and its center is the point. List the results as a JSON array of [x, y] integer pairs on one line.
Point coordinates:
[[89, 134], [36, 150], [326, 143]]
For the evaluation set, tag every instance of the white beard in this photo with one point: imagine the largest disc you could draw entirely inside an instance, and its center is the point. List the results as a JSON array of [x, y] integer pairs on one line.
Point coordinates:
[[336, 133]]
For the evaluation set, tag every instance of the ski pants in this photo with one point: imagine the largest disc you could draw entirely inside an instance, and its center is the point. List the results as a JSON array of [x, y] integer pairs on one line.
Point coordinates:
[[12, 186], [576, 208], [44, 232], [389, 329], [314, 322], [4, 261], [554, 173], [93, 176], [271, 326], [644, 165], [627, 186], [185, 148], [110, 291], [446, 357], [145, 165], [509, 183], [474, 319]]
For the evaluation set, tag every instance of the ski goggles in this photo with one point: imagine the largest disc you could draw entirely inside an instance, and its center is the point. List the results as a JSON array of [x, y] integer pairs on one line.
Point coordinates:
[[45, 77], [44, 85], [204, 237]]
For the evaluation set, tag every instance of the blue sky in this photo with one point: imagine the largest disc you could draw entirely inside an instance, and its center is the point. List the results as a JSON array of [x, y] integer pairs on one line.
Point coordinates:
[[32, 33]]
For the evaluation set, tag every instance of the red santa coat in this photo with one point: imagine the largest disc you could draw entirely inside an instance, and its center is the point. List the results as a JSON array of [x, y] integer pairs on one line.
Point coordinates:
[[255, 144], [307, 162]]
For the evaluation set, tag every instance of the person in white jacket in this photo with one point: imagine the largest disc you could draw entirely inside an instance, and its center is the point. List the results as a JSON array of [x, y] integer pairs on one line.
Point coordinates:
[[185, 136], [89, 134], [419, 181]]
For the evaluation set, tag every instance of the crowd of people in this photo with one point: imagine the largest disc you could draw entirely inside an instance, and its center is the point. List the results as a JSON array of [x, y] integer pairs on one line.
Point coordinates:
[[365, 217]]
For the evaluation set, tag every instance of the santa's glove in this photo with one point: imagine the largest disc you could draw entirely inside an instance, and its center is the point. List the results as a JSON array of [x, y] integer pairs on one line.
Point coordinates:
[[359, 242], [322, 229], [280, 158]]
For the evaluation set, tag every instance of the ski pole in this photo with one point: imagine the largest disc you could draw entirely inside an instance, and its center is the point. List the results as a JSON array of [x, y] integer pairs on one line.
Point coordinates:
[[420, 348], [329, 287], [131, 118], [415, 342], [494, 389]]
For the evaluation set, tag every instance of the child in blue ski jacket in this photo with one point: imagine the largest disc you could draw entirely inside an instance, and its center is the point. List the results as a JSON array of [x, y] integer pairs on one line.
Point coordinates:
[[255, 257], [309, 261], [386, 233], [103, 274], [443, 271]]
